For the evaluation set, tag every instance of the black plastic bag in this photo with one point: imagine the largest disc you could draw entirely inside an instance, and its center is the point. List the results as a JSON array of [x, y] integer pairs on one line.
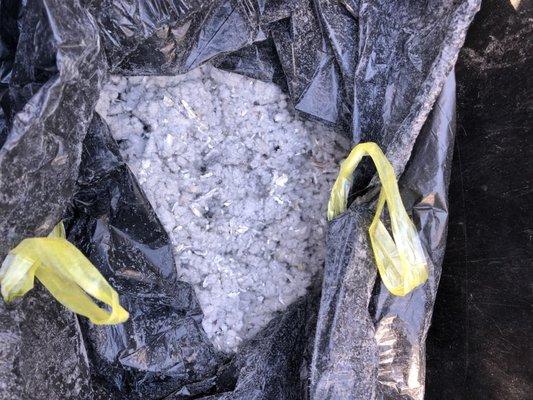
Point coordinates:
[[374, 68]]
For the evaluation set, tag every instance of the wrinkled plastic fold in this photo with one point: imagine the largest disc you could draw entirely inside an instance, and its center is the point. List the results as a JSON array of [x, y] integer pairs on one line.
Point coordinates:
[[67, 274]]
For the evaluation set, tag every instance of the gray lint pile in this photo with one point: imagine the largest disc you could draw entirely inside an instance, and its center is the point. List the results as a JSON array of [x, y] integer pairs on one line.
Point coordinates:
[[239, 183]]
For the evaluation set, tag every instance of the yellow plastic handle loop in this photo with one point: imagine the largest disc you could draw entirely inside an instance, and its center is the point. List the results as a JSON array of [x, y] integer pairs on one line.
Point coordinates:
[[400, 259], [67, 274]]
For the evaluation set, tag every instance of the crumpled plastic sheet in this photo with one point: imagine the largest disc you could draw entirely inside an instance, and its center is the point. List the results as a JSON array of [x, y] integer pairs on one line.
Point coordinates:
[[57, 72], [374, 68]]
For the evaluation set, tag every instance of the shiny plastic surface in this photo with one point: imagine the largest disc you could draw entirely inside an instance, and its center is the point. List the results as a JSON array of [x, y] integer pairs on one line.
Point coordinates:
[[53, 78]]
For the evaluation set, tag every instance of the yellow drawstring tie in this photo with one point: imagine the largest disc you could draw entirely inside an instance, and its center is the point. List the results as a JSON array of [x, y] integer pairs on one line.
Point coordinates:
[[67, 274], [400, 259]]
